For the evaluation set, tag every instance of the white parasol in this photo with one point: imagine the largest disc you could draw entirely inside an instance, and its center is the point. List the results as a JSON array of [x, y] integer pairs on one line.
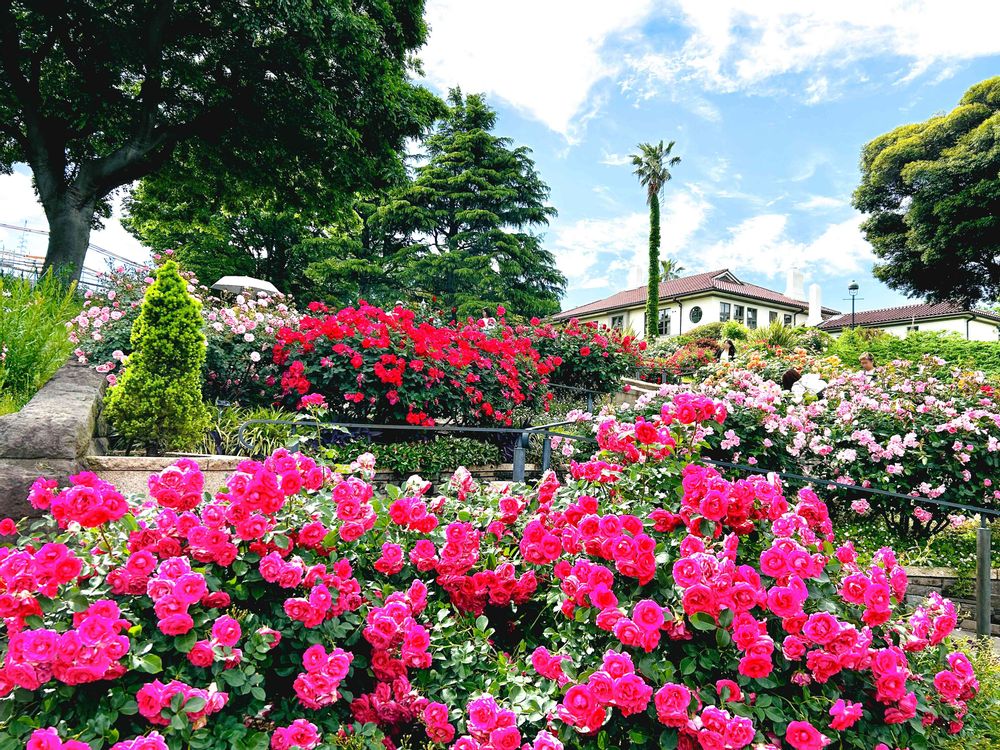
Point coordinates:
[[239, 284]]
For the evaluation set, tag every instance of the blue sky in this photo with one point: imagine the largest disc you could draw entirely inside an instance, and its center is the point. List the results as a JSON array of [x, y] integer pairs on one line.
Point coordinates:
[[769, 102]]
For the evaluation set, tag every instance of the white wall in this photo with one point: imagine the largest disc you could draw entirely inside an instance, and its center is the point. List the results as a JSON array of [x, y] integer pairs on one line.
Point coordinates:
[[680, 313], [978, 330]]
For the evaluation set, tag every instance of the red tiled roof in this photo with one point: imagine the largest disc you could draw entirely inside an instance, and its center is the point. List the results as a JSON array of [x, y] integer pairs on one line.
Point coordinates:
[[904, 314], [710, 281]]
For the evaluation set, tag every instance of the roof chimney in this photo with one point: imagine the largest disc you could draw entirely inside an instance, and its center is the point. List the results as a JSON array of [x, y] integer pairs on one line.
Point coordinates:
[[815, 307], [795, 286]]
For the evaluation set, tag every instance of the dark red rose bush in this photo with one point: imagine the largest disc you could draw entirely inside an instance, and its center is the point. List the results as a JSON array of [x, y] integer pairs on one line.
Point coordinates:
[[644, 601]]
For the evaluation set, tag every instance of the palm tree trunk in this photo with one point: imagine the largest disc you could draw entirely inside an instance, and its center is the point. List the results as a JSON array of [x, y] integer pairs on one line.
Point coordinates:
[[653, 292]]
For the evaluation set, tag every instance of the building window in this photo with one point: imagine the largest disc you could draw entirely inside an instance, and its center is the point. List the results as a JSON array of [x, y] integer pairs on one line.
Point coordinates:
[[788, 319], [724, 312], [695, 314], [751, 317], [663, 327], [738, 313], [772, 316], [618, 321], [912, 328]]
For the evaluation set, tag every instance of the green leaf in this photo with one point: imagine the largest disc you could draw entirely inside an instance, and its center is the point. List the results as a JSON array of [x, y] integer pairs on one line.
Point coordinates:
[[668, 739], [150, 663], [702, 621]]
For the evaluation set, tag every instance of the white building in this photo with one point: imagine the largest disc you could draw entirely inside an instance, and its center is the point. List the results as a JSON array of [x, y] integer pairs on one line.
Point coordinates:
[[973, 325], [706, 298]]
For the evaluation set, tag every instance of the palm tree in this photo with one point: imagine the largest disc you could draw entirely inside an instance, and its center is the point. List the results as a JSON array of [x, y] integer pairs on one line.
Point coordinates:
[[670, 269], [652, 167]]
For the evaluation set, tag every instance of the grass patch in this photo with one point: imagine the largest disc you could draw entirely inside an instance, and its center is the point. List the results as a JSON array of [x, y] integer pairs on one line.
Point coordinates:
[[34, 341]]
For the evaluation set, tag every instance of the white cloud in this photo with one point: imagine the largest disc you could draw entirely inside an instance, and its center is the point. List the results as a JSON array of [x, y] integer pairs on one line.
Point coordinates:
[[615, 160], [735, 45], [613, 253], [543, 57], [820, 203], [761, 245], [19, 206]]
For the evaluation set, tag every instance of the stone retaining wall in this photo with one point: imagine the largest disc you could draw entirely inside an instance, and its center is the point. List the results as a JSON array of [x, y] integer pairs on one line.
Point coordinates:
[[51, 436]]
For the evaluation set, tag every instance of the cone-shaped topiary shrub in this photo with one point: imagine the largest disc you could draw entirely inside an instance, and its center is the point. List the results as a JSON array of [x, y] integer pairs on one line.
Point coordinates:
[[158, 399]]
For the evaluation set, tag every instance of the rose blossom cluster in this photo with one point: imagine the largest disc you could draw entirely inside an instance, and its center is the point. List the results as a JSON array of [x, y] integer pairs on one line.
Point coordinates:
[[24, 572], [319, 685], [394, 706], [48, 739], [489, 727], [226, 633], [549, 665], [88, 501], [301, 734], [499, 587], [354, 510], [615, 684], [398, 641], [156, 697], [90, 651], [711, 727], [332, 591], [179, 486]]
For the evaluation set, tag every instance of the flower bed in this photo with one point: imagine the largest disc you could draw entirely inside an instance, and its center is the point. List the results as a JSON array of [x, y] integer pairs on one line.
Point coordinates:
[[649, 601], [240, 332], [923, 428]]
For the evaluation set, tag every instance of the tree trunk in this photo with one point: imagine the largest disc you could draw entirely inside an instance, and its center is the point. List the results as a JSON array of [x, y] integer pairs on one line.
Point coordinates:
[[653, 291], [69, 237]]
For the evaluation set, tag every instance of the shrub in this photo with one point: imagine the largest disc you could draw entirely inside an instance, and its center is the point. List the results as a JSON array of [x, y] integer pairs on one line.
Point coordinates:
[[923, 428], [952, 347], [774, 334], [734, 331], [240, 334], [158, 399], [591, 356], [33, 339], [426, 457], [704, 331], [389, 367], [648, 602]]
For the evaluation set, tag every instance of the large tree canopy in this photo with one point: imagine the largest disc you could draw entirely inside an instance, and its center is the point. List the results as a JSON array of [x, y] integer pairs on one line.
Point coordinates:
[[469, 214], [94, 95], [932, 194], [218, 226]]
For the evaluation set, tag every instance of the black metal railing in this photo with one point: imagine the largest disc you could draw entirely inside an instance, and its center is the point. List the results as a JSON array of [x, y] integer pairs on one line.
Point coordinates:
[[522, 435]]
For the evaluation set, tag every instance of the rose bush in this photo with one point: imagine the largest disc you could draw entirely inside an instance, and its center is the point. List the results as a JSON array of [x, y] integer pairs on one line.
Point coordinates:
[[924, 428], [646, 601], [388, 366], [240, 333], [594, 357]]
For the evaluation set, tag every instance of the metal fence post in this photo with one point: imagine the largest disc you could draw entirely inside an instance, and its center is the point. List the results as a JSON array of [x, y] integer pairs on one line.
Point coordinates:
[[590, 402], [984, 584], [517, 473], [546, 452]]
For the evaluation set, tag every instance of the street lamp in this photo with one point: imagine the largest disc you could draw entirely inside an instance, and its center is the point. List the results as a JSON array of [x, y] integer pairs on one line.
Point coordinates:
[[852, 289]]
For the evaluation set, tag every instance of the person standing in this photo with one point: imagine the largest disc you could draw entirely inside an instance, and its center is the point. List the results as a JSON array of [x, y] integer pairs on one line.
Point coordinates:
[[867, 365], [728, 353]]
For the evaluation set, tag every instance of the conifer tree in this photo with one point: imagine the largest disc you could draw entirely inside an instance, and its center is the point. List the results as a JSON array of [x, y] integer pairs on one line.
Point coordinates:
[[157, 400]]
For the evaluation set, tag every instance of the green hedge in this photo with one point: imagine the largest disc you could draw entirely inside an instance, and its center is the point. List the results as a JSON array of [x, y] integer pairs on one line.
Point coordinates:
[[979, 355]]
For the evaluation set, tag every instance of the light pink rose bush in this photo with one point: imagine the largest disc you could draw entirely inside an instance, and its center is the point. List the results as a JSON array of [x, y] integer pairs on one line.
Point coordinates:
[[924, 428], [643, 600]]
